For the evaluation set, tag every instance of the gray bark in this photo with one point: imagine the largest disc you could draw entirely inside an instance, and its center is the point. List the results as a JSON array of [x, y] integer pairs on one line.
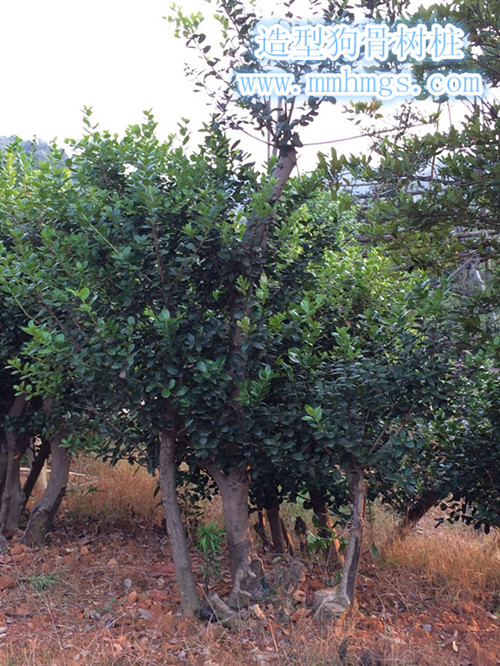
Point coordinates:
[[43, 513], [247, 571], [12, 497], [234, 486], [234, 489], [186, 584], [357, 489]]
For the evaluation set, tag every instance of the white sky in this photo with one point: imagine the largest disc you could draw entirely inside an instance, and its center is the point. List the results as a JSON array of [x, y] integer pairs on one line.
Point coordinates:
[[118, 56]]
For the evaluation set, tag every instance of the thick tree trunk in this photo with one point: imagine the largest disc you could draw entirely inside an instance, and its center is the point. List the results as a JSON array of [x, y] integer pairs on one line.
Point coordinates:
[[417, 511], [234, 489], [247, 571], [37, 466], [186, 583], [12, 498], [357, 490], [44, 511], [326, 526]]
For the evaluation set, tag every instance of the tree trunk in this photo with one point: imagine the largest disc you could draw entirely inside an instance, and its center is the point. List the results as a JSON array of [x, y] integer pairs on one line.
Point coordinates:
[[417, 511], [357, 491], [186, 583], [36, 468], [261, 529], [326, 526], [234, 489], [12, 498], [287, 538], [3, 464], [44, 511], [247, 572], [274, 519]]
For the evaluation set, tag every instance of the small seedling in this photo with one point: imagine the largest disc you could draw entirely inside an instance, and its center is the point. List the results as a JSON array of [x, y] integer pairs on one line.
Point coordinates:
[[210, 539], [40, 583]]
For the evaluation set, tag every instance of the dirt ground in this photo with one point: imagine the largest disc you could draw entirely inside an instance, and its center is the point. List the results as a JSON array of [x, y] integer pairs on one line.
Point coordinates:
[[102, 596], [102, 592]]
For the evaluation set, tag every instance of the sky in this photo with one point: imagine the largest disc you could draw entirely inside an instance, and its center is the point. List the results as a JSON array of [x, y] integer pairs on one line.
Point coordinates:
[[117, 56]]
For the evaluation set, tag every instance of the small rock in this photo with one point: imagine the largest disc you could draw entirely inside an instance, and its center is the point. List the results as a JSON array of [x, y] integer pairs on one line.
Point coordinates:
[[6, 583], [427, 628], [145, 615], [127, 584], [132, 597], [160, 596], [112, 562], [17, 549], [329, 603], [84, 550]]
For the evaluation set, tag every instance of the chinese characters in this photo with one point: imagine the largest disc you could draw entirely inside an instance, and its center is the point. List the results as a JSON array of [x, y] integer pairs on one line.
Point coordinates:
[[373, 42]]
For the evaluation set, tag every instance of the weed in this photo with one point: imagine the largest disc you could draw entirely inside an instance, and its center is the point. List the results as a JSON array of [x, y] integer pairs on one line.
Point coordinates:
[[40, 582], [318, 544], [210, 541]]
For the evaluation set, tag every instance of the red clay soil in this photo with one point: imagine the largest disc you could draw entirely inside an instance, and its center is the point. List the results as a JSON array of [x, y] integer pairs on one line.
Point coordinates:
[[109, 598]]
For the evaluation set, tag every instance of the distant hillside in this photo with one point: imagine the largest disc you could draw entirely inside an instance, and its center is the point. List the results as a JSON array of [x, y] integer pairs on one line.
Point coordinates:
[[40, 149]]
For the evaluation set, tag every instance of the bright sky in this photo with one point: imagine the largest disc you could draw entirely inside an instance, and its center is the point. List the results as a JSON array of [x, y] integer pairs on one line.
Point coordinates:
[[118, 56]]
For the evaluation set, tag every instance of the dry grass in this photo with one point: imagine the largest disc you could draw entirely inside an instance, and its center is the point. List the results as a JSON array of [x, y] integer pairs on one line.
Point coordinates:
[[455, 557], [113, 494]]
